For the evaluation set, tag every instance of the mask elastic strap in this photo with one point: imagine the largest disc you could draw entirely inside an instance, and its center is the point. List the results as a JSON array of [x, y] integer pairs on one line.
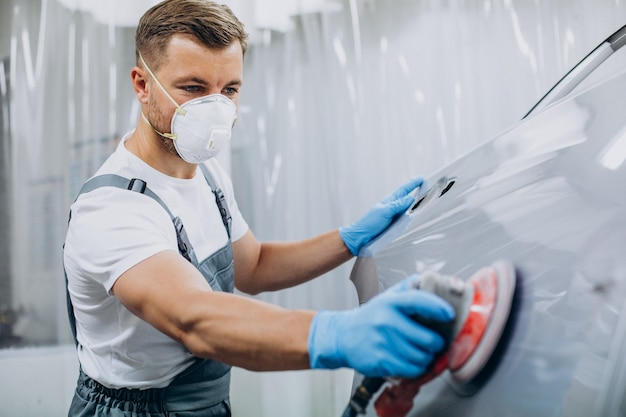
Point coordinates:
[[178, 108], [165, 135]]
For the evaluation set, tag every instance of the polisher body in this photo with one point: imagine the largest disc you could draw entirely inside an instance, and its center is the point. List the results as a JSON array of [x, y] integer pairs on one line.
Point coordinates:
[[482, 305]]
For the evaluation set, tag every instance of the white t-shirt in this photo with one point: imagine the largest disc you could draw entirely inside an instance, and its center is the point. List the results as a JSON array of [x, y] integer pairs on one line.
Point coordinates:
[[110, 231]]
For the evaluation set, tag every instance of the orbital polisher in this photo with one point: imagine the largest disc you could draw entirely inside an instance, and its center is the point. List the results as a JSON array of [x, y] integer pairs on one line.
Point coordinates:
[[482, 305]]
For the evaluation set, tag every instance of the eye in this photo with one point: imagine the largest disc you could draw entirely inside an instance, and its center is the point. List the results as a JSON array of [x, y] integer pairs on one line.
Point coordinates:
[[230, 91], [192, 88]]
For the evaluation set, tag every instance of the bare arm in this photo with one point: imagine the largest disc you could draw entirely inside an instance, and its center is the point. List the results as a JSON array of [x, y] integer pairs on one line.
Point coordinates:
[[169, 293], [276, 265]]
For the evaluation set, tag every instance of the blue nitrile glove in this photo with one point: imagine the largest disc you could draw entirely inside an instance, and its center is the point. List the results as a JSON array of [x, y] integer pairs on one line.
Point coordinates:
[[380, 339], [379, 217]]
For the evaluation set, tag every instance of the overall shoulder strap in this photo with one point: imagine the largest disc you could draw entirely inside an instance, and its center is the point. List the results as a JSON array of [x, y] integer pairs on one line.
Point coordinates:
[[112, 180], [220, 199], [140, 186]]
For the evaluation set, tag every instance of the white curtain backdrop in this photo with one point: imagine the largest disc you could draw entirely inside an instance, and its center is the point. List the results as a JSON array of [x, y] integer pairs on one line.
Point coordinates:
[[255, 14], [342, 102]]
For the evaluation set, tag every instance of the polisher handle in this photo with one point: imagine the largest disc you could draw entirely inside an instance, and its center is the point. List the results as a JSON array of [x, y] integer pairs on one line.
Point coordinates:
[[443, 328], [396, 400], [456, 292]]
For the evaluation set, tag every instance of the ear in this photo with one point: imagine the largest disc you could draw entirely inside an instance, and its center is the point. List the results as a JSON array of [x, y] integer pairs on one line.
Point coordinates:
[[140, 84]]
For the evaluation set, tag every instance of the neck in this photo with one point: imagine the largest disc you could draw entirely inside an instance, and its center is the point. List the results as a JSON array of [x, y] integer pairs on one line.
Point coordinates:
[[145, 143]]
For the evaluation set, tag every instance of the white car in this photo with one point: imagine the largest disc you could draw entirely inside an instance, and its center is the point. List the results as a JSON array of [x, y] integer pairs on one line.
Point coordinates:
[[548, 195]]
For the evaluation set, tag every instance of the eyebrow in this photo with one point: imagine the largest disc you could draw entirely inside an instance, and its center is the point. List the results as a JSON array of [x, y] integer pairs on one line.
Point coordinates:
[[203, 82]]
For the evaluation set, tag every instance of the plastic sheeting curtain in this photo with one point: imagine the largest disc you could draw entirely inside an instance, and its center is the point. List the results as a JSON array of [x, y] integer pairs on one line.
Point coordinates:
[[350, 103], [70, 100], [335, 113]]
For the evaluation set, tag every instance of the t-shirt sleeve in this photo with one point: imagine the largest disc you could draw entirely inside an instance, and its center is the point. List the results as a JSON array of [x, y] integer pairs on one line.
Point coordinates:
[[112, 230]]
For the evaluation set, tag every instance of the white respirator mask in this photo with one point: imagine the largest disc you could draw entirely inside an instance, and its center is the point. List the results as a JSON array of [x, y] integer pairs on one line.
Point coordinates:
[[201, 127]]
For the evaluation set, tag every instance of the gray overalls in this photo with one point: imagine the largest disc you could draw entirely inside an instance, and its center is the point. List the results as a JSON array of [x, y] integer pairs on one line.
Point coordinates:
[[202, 390]]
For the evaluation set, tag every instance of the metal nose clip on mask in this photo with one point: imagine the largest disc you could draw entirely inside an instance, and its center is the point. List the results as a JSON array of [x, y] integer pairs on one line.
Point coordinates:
[[200, 127]]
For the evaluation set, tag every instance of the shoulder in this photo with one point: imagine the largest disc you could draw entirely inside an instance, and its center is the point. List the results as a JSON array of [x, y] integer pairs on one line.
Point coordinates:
[[112, 229], [107, 204]]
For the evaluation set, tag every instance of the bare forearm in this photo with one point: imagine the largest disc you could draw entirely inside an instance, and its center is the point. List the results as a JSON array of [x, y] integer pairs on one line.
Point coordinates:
[[170, 294], [249, 334], [287, 264]]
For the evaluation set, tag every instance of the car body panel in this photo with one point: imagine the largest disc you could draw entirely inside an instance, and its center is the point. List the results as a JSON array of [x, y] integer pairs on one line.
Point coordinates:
[[547, 195]]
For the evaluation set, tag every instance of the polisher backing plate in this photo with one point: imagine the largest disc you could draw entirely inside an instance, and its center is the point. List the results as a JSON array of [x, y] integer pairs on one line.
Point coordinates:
[[494, 287]]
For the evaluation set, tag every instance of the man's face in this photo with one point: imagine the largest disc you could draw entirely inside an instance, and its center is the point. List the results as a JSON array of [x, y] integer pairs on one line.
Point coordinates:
[[190, 70]]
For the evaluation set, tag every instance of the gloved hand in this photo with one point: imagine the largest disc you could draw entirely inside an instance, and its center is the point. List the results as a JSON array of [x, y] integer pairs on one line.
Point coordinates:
[[379, 217], [380, 339]]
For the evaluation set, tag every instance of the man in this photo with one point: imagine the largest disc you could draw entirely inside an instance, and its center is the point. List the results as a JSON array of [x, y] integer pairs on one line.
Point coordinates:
[[156, 243]]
